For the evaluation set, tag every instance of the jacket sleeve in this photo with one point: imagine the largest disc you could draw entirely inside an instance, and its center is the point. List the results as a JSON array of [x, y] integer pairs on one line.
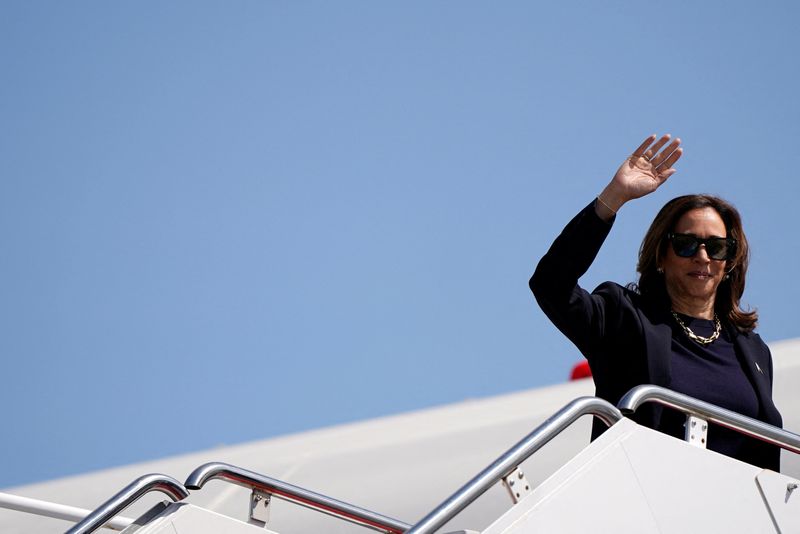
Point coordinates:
[[578, 314]]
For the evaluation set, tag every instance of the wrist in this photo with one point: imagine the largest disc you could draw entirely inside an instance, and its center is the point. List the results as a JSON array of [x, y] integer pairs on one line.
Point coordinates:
[[604, 209], [612, 199]]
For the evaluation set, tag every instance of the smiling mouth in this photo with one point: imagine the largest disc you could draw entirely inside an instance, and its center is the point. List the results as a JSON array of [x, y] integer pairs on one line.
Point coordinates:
[[699, 275]]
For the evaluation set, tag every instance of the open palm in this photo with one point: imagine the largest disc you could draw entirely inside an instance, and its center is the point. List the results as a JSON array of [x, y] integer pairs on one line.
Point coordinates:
[[647, 168]]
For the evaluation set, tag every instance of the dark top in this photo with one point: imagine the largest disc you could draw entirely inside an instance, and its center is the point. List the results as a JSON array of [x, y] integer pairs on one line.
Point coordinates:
[[696, 367], [630, 341]]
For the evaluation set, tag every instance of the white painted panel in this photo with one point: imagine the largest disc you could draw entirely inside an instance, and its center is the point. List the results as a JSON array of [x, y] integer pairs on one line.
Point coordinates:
[[596, 492], [635, 480], [187, 519], [602, 497], [691, 487], [782, 496]]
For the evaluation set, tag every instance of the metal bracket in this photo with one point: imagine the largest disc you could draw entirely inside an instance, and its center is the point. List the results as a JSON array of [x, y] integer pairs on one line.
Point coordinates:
[[517, 485], [259, 508], [696, 431]]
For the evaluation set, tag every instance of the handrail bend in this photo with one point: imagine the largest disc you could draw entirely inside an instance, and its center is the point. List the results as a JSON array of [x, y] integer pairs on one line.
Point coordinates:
[[295, 494], [127, 496], [715, 414], [509, 460]]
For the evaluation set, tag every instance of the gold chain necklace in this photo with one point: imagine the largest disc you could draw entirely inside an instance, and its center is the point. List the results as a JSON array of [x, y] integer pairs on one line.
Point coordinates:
[[700, 339]]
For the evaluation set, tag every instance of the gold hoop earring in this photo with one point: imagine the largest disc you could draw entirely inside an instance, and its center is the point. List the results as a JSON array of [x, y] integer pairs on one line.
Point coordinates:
[[728, 273]]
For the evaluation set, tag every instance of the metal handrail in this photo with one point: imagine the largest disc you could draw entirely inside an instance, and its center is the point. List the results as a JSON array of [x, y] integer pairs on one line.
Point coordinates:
[[127, 496], [710, 412], [295, 494], [42, 508], [509, 460]]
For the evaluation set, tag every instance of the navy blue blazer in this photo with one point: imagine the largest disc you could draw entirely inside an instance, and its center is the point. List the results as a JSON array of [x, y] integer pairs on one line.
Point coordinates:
[[627, 340]]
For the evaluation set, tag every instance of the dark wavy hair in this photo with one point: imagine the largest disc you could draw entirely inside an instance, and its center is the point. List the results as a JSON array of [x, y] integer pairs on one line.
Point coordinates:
[[654, 246]]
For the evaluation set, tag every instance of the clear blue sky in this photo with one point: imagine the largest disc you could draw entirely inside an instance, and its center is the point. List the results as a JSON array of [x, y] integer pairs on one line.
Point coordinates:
[[224, 221]]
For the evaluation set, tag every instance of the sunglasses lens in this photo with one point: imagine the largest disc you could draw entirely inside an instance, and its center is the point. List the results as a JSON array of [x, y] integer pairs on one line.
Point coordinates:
[[717, 249], [684, 246]]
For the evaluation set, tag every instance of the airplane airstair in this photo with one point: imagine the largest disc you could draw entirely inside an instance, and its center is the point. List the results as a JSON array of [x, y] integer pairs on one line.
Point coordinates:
[[629, 480]]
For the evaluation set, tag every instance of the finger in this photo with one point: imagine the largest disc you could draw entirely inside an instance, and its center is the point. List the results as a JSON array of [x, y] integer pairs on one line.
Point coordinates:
[[639, 152], [667, 165], [652, 151], [662, 156]]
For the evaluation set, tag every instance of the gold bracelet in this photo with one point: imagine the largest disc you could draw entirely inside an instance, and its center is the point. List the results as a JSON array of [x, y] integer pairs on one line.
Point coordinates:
[[603, 202]]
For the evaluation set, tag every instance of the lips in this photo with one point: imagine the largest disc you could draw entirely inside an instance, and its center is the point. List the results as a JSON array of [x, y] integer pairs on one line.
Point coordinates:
[[700, 275]]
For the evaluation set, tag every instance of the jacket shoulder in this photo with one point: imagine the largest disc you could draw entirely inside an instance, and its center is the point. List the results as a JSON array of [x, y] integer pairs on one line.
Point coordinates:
[[618, 292]]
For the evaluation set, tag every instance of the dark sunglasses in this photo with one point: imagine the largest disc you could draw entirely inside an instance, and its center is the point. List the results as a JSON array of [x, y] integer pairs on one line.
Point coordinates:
[[717, 248]]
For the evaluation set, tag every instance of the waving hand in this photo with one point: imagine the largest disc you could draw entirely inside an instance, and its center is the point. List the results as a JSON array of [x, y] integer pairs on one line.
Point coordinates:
[[641, 173]]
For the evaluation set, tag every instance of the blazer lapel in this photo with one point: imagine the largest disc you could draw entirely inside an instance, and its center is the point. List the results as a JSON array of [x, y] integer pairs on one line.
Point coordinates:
[[749, 350], [752, 368]]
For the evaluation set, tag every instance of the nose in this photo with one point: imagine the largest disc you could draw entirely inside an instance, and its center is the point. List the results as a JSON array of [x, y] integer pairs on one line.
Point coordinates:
[[702, 255]]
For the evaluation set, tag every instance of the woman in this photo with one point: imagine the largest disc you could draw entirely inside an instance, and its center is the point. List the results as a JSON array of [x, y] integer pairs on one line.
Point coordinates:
[[681, 327]]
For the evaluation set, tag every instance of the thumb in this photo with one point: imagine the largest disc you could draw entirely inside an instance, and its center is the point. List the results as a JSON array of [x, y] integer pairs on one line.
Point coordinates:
[[663, 176]]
